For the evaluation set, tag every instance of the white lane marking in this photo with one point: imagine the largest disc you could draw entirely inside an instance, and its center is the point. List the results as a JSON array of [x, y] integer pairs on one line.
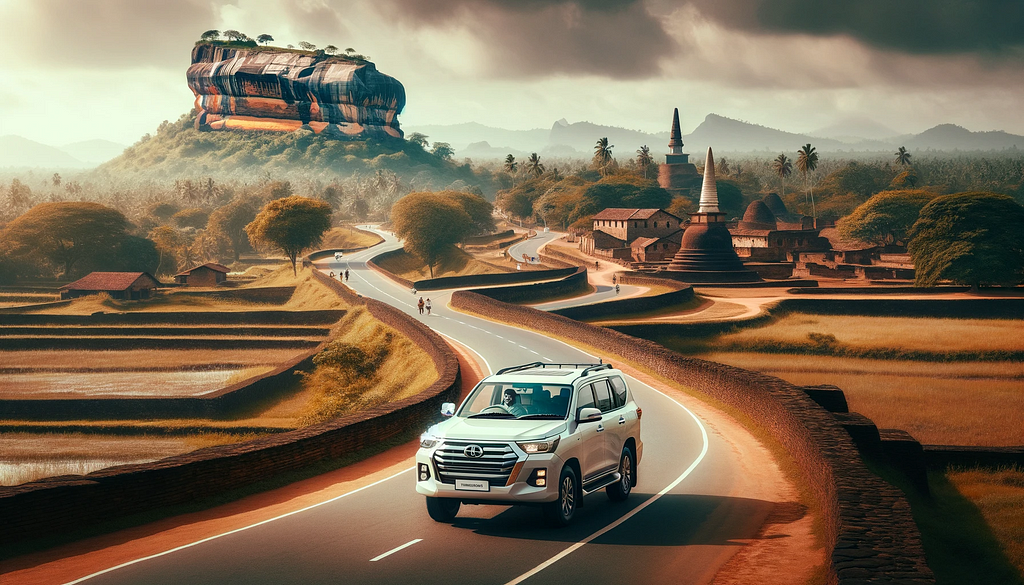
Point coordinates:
[[634, 511], [482, 358], [396, 549], [216, 536]]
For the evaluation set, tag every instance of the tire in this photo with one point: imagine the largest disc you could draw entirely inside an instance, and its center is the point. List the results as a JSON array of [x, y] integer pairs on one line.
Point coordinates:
[[619, 491], [443, 509], [561, 511]]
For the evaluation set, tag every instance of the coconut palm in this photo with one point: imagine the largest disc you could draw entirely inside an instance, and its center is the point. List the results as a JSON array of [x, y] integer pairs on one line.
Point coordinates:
[[534, 166], [644, 159], [510, 167], [902, 156], [783, 168], [807, 161], [603, 154]]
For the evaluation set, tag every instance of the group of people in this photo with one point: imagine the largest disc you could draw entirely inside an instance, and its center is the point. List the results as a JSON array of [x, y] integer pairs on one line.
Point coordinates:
[[423, 305], [341, 275]]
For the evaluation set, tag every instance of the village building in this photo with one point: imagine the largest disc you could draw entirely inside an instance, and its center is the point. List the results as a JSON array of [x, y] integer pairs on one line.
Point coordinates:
[[119, 285], [209, 274], [761, 237], [617, 232]]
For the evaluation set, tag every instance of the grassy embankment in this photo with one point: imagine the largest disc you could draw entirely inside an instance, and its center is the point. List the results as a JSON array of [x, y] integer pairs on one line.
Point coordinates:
[[455, 263], [346, 237]]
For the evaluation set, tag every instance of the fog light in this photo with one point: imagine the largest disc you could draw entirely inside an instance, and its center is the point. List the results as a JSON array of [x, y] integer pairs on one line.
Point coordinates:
[[541, 482], [424, 472], [538, 477], [542, 473]]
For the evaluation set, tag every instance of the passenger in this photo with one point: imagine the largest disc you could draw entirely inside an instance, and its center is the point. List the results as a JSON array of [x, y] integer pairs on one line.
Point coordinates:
[[511, 402]]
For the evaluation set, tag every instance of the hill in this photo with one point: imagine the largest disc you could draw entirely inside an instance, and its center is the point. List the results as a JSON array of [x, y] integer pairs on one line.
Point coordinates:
[[93, 152], [856, 129], [728, 135], [953, 137], [582, 136], [460, 136], [16, 151]]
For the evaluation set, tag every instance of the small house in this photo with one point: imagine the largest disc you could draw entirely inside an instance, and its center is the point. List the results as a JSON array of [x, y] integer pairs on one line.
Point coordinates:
[[209, 274], [119, 285]]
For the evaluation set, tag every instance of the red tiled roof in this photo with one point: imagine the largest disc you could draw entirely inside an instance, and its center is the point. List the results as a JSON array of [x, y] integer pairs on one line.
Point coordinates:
[[108, 281], [211, 265], [642, 242], [675, 237], [621, 213]]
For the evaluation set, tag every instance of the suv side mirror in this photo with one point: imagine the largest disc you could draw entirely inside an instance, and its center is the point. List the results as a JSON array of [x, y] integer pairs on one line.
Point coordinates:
[[448, 408], [589, 415]]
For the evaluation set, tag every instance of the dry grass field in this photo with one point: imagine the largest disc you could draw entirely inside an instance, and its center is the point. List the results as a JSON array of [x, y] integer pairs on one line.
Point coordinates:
[[999, 496], [457, 263], [346, 237]]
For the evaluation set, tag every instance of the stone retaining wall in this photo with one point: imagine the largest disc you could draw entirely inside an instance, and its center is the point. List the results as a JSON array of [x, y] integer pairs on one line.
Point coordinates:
[[62, 504], [575, 283], [869, 530], [615, 308]]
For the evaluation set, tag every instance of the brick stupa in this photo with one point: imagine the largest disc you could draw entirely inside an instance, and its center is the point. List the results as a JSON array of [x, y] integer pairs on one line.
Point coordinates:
[[677, 175], [706, 253]]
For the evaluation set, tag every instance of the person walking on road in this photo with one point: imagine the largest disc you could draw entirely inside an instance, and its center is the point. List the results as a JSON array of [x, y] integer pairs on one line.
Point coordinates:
[[616, 289], [428, 307], [420, 305], [613, 279], [332, 275], [346, 275]]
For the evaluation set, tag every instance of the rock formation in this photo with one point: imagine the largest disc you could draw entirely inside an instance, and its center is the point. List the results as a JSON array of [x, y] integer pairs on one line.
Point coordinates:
[[282, 90]]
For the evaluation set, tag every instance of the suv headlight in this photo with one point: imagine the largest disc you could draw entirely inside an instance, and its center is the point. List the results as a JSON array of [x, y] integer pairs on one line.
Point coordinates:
[[543, 446], [428, 441]]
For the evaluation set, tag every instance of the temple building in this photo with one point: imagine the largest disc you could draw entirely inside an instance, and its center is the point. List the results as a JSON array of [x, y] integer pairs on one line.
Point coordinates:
[[706, 253], [677, 175], [761, 236]]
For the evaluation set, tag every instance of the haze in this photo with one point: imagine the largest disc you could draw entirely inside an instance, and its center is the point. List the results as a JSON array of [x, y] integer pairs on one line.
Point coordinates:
[[113, 69]]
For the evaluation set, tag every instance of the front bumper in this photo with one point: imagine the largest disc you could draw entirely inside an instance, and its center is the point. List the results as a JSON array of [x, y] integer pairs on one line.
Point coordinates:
[[516, 491]]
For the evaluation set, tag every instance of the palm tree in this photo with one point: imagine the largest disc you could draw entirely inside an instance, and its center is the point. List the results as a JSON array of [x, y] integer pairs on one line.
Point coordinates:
[[510, 167], [643, 158], [603, 154], [807, 161], [902, 156], [533, 165], [783, 168]]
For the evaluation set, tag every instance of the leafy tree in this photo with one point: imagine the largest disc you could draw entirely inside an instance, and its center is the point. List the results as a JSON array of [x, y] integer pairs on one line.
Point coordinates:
[[330, 49], [534, 166], [306, 46], [417, 139], [210, 35], [132, 254], [782, 167], [350, 50], [806, 162], [730, 197], [480, 210], [443, 150], [360, 208], [193, 217], [431, 224], [234, 35], [644, 159], [163, 210], [292, 224], [264, 38], [64, 234], [624, 190], [602, 154], [230, 221], [681, 207], [886, 218], [969, 238], [905, 180], [902, 157], [169, 243]]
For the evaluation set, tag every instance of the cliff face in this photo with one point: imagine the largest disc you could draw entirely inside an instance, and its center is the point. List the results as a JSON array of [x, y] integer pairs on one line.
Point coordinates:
[[283, 91]]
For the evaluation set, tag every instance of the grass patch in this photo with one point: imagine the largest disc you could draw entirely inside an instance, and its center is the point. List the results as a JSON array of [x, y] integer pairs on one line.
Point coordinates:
[[999, 496], [346, 237], [958, 542], [454, 263]]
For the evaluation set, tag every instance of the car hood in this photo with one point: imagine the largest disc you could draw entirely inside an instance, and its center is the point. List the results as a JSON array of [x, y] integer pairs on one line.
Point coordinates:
[[489, 429]]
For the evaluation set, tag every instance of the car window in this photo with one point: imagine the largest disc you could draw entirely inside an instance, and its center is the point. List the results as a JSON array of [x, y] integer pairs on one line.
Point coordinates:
[[586, 399], [619, 387], [604, 395]]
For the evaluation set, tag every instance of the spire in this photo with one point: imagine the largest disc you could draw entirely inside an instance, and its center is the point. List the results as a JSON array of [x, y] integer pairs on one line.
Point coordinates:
[[675, 142], [708, 191]]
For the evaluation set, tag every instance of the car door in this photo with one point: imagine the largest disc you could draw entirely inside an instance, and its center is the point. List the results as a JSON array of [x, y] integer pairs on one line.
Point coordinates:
[[611, 429], [591, 451]]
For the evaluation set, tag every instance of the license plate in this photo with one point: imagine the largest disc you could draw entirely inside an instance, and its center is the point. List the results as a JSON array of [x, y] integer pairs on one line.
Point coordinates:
[[472, 485]]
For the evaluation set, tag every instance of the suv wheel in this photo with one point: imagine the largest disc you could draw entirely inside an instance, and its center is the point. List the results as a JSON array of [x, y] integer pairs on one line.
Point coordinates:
[[561, 511], [443, 509], [619, 490]]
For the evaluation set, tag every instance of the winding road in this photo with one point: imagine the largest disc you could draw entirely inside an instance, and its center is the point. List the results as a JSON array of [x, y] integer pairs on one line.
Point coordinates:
[[689, 514]]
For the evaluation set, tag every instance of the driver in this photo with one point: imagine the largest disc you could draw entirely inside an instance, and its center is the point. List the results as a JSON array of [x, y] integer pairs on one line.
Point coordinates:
[[511, 402]]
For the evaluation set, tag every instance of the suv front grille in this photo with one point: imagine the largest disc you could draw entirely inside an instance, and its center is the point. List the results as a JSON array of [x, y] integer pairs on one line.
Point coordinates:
[[495, 465]]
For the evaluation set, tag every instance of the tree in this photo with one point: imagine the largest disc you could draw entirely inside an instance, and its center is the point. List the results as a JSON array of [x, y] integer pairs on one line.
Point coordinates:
[[510, 167], [480, 210], [194, 217], [681, 207], [63, 234], [902, 157], [230, 221], [350, 50], [886, 218], [234, 35], [443, 150], [621, 191], [418, 139], [360, 209], [306, 46], [602, 154], [264, 38], [210, 35], [644, 159], [169, 243], [431, 224], [56, 180], [534, 166], [782, 167], [807, 161], [292, 224], [969, 238], [330, 49]]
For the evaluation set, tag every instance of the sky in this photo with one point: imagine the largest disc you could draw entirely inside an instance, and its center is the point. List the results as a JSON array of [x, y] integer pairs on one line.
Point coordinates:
[[73, 70]]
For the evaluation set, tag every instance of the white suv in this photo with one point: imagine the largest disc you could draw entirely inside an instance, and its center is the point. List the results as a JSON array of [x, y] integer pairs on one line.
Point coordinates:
[[518, 430]]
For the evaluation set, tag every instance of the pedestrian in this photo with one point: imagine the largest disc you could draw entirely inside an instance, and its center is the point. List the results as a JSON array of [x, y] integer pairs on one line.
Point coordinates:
[[613, 279], [428, 306], [346, 275], [420, 305], [332, 274], [597, 265], [616, 289]]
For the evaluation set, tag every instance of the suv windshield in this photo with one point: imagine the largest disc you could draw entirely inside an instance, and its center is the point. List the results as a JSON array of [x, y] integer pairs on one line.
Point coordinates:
[[517, 400]]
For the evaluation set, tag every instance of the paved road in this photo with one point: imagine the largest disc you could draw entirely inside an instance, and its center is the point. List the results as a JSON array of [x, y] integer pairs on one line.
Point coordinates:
[[679, 526]]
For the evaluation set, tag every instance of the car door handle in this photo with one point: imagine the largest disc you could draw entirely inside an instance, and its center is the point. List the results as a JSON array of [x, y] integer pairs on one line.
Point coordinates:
[[622, 420], [600, 428]]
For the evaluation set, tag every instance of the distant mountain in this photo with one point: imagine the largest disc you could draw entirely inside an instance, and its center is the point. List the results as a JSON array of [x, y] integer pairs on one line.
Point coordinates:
[[583, 135], [855, 129], [94, 151], [461, 136], [728, 135], [953, 137], [16, 151]]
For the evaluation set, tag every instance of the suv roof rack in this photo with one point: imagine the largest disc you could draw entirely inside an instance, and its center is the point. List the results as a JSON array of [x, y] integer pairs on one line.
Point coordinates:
[[587, 367]]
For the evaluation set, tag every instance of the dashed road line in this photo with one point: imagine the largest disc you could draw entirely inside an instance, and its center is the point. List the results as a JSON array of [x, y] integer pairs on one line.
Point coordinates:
[[396, 549]]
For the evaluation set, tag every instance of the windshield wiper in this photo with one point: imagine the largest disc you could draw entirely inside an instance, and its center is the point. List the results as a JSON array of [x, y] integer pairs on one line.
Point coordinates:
[[492, 415], [542, 417]]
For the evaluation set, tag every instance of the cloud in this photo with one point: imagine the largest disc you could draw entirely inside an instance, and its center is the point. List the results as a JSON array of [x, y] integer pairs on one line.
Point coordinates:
[[536, 38]]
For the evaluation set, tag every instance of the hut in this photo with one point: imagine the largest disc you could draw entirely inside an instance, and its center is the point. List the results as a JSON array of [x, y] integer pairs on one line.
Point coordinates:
[[209, 274], [119, 285]]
